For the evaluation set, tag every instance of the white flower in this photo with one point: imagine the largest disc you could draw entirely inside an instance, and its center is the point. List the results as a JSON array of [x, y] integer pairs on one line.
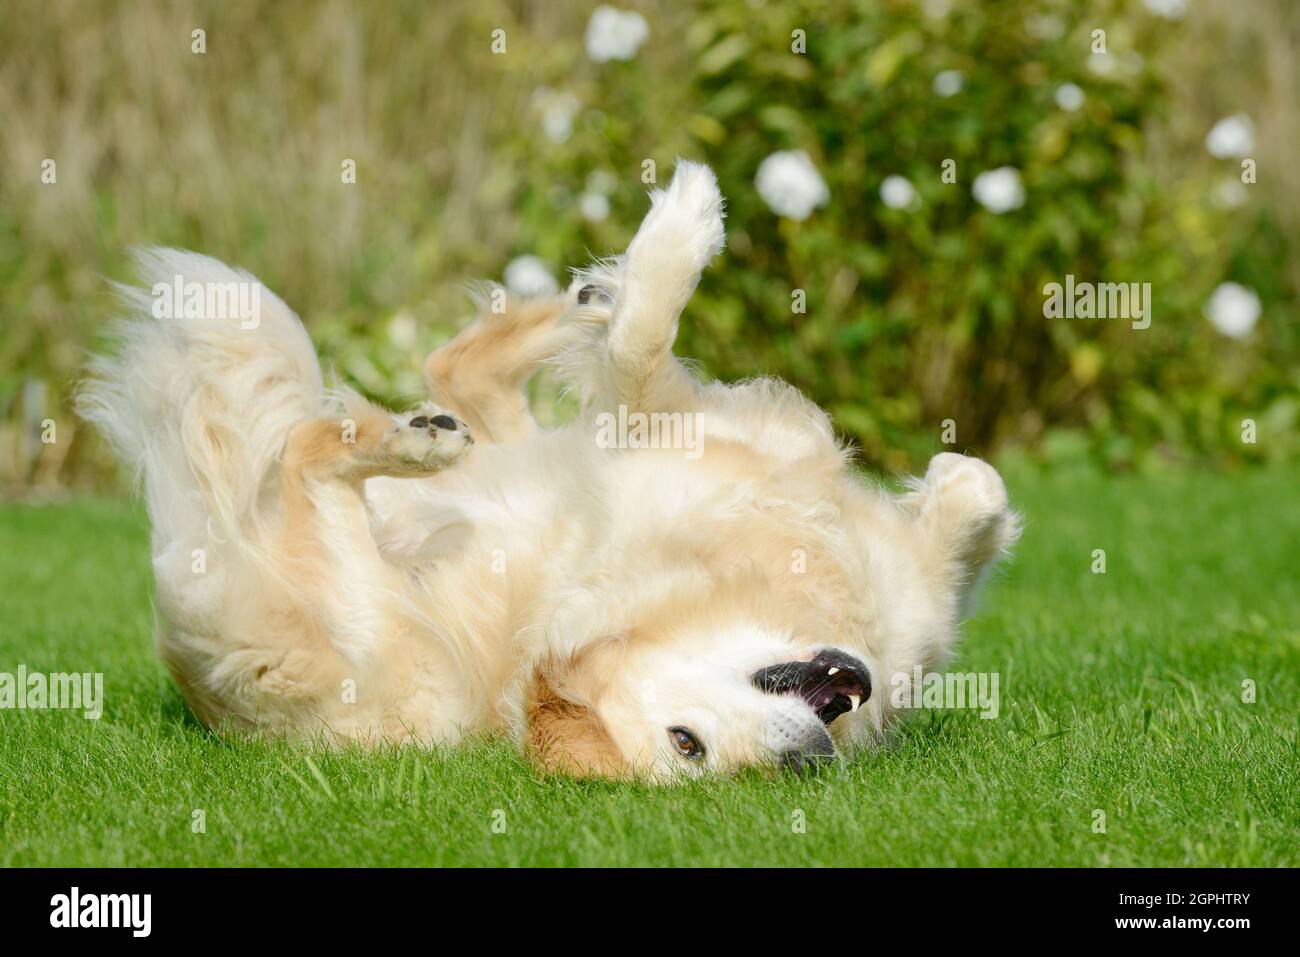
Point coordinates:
[[1045, 26], [897, 192], [1069, 97], [558, 111], [615, 34], [948, 83], [1232, 136], [602, 181], [402, 331], [790, 184], [1230, 193], [528, 276], [1233, 309], [593, 206], [999, 190], [1169, 9], [1102, 64]]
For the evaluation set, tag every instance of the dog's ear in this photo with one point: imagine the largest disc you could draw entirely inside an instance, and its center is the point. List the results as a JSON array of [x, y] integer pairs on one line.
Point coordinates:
[[564, 734]]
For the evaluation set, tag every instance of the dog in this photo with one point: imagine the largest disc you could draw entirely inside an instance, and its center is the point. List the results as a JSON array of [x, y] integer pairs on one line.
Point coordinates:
[[330, 570]]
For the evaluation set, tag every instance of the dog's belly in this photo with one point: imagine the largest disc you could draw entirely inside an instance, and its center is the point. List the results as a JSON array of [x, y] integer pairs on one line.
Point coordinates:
[[562, 483]]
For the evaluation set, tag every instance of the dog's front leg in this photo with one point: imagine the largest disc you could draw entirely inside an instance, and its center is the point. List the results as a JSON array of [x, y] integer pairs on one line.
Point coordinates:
[[678, 237], [965, 520], [333, 563]]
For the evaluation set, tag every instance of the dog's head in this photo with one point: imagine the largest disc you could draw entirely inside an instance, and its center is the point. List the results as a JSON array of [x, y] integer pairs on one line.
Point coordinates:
[[693, 698]]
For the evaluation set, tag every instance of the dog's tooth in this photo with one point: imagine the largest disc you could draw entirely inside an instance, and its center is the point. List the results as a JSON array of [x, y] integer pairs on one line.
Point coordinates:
[[854, 701], [833, 671]]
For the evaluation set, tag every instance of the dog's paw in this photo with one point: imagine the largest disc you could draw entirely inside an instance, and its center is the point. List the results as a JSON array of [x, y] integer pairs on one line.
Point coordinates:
[[686, 218], [969, 485], [594, 290], [427, 439], [590, 293], [965, 500]]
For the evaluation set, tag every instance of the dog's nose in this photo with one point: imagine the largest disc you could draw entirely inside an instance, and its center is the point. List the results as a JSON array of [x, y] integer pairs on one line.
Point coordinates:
[[445, 422], [801, 761], [817, 750]]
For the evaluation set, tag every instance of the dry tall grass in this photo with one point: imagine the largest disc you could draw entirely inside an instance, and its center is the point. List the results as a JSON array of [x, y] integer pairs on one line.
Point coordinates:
[[238, 152]]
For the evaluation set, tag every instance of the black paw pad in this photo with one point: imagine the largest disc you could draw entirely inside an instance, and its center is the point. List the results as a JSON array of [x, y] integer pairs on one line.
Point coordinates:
[[588, 293], [445, 422]]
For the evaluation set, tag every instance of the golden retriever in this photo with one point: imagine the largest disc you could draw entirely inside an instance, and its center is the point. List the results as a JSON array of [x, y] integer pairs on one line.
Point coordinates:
[[688, 578]]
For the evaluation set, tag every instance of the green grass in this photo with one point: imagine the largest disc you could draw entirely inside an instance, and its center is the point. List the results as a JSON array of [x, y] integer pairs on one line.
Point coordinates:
[[1120, 692]]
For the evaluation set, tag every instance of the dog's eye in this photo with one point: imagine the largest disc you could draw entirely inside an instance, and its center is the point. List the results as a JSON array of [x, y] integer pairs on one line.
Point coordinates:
[[684, 741]]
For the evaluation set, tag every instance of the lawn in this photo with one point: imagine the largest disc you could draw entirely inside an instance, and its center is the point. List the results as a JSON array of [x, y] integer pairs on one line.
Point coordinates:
[[1122, 693]]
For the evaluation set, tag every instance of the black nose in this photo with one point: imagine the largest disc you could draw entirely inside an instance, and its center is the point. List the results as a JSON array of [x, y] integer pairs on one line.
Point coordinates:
[[808, 758], [445, 422], [807, 749]]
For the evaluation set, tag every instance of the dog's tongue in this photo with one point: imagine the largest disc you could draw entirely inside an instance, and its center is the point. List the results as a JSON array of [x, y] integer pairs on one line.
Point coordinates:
[[832, 683]]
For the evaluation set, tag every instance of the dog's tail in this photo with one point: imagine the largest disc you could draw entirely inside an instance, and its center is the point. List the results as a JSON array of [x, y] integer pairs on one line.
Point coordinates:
[[211, 373]]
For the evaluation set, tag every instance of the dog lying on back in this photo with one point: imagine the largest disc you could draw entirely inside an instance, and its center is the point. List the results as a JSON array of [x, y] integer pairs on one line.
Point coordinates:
[[326, 568]]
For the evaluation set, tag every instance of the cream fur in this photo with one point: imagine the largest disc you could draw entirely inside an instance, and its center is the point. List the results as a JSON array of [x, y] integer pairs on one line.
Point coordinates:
[[403, 587]]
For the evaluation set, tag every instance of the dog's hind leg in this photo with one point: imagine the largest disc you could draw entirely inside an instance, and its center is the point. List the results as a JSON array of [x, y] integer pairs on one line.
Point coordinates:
[[482, 374]]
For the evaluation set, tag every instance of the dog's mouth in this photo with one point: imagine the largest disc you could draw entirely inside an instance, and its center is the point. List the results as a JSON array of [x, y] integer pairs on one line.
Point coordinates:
[[832, 683]]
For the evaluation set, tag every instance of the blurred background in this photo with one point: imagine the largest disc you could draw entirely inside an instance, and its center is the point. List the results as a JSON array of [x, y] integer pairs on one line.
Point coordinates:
[[513, 140]]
